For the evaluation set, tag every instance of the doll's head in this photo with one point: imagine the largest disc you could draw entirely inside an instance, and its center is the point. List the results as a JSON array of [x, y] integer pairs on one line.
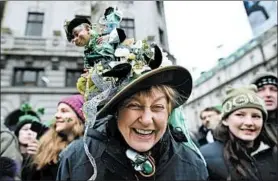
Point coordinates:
[[78, 31]]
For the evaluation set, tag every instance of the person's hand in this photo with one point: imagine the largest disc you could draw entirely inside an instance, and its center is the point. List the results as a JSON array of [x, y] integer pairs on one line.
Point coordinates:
[[85, 70], [103, 39], [85, 75], [32, 147]]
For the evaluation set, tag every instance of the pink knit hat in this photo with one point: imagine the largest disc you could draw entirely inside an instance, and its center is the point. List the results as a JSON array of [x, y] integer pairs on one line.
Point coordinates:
[[75, 102]]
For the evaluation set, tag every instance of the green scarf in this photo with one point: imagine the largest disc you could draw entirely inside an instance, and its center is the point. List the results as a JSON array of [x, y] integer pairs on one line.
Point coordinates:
[[176, 119]]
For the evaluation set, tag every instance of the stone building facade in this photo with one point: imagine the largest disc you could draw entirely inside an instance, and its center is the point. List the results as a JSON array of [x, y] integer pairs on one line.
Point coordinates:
[[260, 54]]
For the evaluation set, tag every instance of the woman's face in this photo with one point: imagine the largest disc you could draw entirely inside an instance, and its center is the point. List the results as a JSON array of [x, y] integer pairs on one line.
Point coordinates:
[[246, 123], [81, 36], [143, 120], [25, 134], [66, 118]]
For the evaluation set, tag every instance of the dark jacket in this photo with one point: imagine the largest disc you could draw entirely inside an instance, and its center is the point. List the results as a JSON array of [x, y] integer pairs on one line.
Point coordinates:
[[29, 171], [176, 163], [264, 163], [9, 147], [201, 136], [272, 122], [49, 172], [8, 169]]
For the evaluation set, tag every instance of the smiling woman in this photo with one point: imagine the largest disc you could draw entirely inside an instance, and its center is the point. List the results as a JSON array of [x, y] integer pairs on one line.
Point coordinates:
[[244, 149], [142, 128], [69, 125], [139, 141]]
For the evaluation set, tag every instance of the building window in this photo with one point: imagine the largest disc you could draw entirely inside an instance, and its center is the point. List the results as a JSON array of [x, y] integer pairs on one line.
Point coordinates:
[[127, 24], [28, 77], [159, 6], [161, 36], [34, 24], [72, 76]]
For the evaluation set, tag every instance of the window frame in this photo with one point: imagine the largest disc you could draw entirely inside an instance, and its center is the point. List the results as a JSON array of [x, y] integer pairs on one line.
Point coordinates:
[[125, 26], [31, 22], [72, 70], [21, 82]]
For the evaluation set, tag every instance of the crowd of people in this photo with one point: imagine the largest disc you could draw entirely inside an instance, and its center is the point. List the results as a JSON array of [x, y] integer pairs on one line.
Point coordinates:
[[127, 122]]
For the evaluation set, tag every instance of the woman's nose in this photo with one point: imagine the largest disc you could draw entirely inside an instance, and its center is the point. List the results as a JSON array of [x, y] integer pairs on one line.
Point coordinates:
[[57, 115], [30, 132], [146, 117], [248, 121]]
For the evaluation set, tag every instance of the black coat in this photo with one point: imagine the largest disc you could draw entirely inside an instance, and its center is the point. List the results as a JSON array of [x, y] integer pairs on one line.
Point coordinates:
[[264, 163], [29, 171], [8, 169], [202, 136], [178, 163]]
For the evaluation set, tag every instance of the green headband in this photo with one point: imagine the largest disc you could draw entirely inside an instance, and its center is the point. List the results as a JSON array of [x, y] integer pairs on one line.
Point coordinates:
[[27, 108]]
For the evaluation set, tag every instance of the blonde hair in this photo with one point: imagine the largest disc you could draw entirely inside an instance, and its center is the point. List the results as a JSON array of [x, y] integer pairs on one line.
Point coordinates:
[[51, 144]]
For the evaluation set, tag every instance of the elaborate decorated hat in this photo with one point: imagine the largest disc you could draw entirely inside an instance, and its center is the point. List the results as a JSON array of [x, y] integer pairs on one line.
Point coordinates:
[[70, 25], [142, 66], [176, 77]]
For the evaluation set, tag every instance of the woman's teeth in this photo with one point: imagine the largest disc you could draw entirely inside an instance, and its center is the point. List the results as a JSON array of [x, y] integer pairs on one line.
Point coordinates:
[[144, 132]]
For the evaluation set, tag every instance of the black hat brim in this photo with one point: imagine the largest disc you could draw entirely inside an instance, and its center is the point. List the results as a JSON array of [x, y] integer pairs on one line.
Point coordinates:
[[176, 77]]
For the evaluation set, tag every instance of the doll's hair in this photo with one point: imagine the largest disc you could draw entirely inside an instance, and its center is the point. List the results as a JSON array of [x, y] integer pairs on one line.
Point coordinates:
[[83, 26]]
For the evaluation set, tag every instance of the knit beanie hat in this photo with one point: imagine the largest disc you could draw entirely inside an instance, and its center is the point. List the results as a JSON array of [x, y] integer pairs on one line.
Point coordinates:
[[243, 97], [28, 115], [75, 102], [266, 78]]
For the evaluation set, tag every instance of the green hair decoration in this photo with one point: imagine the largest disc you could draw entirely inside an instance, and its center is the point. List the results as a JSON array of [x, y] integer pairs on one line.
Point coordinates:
[[27, 108]]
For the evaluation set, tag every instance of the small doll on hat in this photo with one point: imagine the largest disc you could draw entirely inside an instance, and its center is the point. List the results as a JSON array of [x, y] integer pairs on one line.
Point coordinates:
[[99, 42], [112, 60]]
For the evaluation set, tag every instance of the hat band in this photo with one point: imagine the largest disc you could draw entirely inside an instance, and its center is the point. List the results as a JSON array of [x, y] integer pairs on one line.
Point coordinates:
[[240, 100], [267, 81], [28, 117]]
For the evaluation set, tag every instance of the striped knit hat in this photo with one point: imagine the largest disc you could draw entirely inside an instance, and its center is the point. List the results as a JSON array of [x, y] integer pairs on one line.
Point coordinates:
[[265, 78], [75, 102]]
